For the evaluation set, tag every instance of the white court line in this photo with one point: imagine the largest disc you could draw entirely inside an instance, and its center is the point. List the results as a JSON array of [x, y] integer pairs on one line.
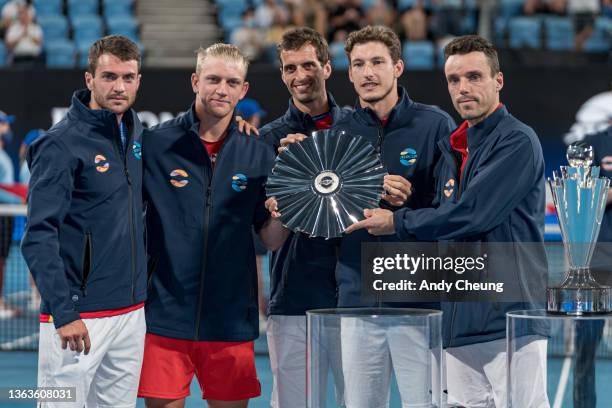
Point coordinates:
[[19, 343], [567, 363]]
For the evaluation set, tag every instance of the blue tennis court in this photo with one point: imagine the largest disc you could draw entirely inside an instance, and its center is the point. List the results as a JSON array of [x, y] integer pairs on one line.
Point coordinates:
[[18, 366]]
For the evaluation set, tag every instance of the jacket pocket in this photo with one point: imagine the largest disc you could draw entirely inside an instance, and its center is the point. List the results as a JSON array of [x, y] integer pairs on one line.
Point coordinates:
[[87, 262]]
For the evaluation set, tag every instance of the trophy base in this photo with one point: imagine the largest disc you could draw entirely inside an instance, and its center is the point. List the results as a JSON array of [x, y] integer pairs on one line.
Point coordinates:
[[579, 301]]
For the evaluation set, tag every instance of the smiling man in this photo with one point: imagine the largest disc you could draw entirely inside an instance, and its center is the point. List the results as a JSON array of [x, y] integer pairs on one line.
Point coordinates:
[[490, 188], [302, 273], [83, 240], [204, 190]]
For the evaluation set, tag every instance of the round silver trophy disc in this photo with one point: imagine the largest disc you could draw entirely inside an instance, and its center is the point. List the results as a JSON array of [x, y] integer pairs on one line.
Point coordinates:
[[323, 183]]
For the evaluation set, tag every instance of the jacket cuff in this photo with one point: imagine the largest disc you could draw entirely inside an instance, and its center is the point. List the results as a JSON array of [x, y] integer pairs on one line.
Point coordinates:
[[62, 318], [398, 223]]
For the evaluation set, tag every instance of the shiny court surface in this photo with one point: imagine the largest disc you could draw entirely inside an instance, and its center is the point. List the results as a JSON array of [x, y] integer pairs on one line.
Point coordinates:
[[18, 369]]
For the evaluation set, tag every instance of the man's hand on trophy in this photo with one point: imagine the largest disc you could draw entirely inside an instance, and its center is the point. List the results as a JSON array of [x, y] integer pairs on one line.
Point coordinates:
[[290, 139], [272, 206], [246, 127], [378, 222], [398, 190]]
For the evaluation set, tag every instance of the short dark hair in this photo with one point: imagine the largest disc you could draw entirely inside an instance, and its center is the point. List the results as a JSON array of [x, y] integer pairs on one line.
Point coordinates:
[[473, 43], [380, 34], [296, 38], [117, 45]]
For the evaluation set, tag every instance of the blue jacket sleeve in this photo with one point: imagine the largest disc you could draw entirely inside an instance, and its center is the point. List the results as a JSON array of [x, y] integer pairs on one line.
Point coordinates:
[[500, 183], [49, 196]]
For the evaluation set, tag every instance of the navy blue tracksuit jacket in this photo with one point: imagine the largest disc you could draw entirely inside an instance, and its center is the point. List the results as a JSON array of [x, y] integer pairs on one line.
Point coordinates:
[[499, 198], [408, 147], [83, 240], [303, 269], [203, 283]]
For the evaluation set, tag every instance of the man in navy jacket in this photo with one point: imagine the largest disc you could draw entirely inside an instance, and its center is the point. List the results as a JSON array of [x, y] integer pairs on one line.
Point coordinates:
[[397, 127], [83, 240], [204, 190], [490, 188], [302, 272]]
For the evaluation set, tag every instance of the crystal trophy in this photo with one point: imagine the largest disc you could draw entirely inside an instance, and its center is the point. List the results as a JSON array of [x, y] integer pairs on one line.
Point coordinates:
[[580, 197]]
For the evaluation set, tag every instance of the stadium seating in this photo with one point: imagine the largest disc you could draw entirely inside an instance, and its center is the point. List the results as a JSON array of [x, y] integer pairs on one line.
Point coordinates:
[[405, 4], [82, 8], [125, 25], [87, 27], [230, 18], [3, 61], [418, 55], [441, 59], [559, 33], [525, 32], [48, 7], [234, 4], [339, 60], [367, 4], [60, 54], [53, 27], [510, 8], [601, 39], [83, 52], [114, 8]]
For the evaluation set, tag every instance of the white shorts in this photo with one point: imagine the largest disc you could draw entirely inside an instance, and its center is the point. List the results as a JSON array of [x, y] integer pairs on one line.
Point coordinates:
[[370, 350], [106, 377], [287, 348], [476, 374]]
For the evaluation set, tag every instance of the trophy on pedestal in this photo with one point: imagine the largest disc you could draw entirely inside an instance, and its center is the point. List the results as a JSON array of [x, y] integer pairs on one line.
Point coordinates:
[[580, 197]]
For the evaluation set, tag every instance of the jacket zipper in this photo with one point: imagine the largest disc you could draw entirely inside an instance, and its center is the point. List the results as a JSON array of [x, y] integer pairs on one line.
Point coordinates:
[[87, 264], [380, 150], [207, 211], [452, 161], [380, 141], [126, 171]]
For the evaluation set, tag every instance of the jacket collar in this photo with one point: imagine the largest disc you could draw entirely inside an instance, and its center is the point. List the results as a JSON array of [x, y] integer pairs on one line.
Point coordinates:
[[399, 116], [295, 117], [101, 118], [478, 133]]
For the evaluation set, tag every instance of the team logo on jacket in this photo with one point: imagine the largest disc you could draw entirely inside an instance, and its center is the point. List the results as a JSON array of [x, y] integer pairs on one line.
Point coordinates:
[[239, 182], [408, 156], [178, 178], [137, 149], [449, 187], [102, 164], [606, 163]]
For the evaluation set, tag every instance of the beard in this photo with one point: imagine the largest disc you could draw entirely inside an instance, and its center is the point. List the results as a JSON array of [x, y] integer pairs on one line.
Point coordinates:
[[107, 104]]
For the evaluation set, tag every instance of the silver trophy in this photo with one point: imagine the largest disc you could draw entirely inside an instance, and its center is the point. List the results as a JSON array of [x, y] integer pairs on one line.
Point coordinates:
[[323, 183], [580, 199]]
